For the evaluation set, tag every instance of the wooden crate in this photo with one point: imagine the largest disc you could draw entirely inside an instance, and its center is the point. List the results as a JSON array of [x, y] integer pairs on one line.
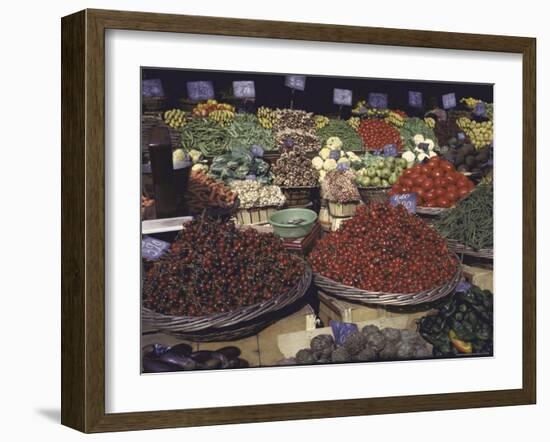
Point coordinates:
[[331, 308], [290, 343], [483, 278], [258, 350]]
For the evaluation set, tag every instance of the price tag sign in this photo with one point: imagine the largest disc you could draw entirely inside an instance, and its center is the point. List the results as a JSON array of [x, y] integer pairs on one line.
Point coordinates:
[[342, 97], [390, 150], [415, 99], [152, 88], [297, 82], [461, 136], [480, 110], [341, 330], [152, 248], [449, 100], [408, 200], [378, 100], [200, 90], [244, 89], [463, 286]]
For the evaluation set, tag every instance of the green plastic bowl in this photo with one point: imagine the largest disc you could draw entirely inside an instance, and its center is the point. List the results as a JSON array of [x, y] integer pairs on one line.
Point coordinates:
[[281, 227]]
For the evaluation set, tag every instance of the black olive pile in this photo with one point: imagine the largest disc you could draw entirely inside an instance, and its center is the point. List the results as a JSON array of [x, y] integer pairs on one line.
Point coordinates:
[[369, 344], [181, 357]]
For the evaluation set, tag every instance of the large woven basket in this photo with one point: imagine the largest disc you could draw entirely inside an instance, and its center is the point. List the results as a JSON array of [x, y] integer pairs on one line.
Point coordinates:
[[374, 194], [356, 295], [229, 326], [462, 249]]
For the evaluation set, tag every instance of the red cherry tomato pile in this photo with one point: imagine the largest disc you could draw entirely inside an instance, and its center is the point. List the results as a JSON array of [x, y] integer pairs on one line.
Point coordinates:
[[384, 249], [436, 183], [377, 133]]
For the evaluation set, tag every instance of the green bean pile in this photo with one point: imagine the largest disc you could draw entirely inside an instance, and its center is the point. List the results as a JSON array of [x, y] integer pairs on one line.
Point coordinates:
[[339, 128], [204, 135], [471, 221], [245, 130]]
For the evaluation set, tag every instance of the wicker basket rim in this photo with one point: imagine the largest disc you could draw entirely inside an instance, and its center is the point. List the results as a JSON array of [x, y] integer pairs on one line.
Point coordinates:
[[396, 295], [244, 309], [374, 187], [299, 187]]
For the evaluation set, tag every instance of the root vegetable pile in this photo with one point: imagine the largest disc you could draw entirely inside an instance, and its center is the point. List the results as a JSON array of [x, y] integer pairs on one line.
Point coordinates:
[[204, 191], [339, 186], [384, 249], [436, 183], [213, 267], [377, 133]]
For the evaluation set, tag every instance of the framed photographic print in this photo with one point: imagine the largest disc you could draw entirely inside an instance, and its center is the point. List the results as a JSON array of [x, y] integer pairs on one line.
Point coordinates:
[[266, 221]]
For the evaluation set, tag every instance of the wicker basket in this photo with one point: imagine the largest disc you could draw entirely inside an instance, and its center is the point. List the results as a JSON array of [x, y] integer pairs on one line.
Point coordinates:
[[353, 294], [461, 249], [342, 210], [255, 215], [300, 196], [374, 194], [430, 211], [228, 326]]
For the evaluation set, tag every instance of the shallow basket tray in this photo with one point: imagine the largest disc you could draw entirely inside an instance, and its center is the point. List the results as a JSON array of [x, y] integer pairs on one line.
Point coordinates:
[[356, 295], [228, 326], [374, 194], [431, 211], [462, 249]]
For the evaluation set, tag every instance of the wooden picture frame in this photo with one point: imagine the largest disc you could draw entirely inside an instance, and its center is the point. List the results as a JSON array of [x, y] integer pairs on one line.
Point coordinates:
[[83, 219]]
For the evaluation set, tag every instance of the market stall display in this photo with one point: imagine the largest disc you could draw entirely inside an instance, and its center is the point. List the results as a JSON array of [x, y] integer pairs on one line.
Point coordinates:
[[469, 226], [377, 133], [385, 255], [436, 184], [463, 326], [219, 282]]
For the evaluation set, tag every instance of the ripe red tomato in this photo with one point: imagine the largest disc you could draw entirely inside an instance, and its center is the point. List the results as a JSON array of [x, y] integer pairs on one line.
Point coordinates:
[[442, 202], [419, 180], [446, 166], [428, 183], [451, 195], [407, 182], [437, 173], [420, 192], [462, 192], [430, 195], [407, 172], [439, 192]]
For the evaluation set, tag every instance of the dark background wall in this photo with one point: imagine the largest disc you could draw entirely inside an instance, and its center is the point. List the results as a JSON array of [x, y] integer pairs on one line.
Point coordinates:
[[317, 97]]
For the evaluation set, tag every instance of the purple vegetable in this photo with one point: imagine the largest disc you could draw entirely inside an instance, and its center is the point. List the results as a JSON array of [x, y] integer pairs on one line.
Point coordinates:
[[342, 166], [334, 154], [257, 150]]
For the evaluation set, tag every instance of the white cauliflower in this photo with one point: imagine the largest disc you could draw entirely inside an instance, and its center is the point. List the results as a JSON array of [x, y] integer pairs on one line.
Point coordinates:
[[430, 144], [197, 167], [418, 138], [409, 156], [343, 160], [322, 174], [317, 163], [432, 154], [324, 153], [329, 164], [334, 143]]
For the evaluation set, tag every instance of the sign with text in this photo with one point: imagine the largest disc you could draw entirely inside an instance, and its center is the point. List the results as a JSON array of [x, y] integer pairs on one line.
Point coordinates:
[[244, 89], [152, 248], [449, 100], [390, 150], [415, 99], [342, 97], [152, 88], [341, 330], [378, 100], [408, 200], [297, 82], [200, 90]]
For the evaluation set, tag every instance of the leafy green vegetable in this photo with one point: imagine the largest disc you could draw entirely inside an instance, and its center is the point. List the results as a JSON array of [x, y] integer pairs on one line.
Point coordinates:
[[339, 128]]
